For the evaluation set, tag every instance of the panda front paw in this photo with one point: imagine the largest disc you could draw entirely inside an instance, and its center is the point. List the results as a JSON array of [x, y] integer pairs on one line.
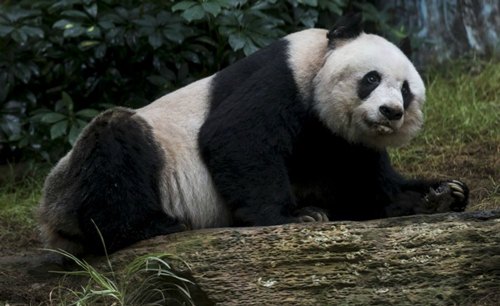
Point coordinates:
[[447, 196], [311, 214]]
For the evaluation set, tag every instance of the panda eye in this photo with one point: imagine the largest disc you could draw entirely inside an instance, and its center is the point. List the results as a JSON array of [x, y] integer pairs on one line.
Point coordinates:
[[368, 83], [372, 77]]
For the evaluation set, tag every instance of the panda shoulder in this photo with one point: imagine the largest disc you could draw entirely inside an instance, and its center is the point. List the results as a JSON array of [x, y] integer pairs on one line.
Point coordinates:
[[307, 52]]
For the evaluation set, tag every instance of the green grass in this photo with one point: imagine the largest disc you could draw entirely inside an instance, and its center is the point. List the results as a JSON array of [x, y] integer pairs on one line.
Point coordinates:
[[461, 134], [147, 280], [18, 199], [463, 103]]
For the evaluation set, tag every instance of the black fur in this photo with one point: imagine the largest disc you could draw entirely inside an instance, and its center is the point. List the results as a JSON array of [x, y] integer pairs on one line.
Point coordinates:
[[346, 27], [405, 46], [249, 133], [407, 94], [353, 182], [270, 156], [115, 167], [368, 83]]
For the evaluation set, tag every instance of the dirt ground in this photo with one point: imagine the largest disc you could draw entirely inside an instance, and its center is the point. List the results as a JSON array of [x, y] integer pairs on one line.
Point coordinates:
[[24, 270]]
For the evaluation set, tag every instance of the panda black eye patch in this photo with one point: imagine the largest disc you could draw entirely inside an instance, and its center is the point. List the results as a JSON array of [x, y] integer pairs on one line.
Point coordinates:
[[407, 94], [368, 83]]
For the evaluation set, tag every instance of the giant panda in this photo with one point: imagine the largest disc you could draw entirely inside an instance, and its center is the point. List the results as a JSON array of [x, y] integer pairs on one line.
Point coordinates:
[[296, 132]]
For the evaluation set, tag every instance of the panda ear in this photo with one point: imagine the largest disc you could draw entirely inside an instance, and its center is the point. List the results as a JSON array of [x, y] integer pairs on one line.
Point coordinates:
[[405, 46], [348, 26]]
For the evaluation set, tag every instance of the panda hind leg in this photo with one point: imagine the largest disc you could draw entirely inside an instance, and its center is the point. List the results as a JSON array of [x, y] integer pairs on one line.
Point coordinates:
[[113, 236], [117, 167]]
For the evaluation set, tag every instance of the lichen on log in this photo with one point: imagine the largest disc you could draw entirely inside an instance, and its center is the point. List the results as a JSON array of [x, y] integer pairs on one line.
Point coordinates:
[[428, 259]]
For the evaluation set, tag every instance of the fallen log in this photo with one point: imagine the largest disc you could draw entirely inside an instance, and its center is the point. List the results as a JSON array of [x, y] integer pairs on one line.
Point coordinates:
[[427, 259], [431, 259]]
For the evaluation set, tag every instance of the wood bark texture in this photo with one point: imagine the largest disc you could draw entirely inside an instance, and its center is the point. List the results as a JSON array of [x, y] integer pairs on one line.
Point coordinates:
[[446, 259], [428, 260]]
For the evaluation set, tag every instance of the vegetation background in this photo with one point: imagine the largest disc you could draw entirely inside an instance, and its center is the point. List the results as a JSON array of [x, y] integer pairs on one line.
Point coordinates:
[[62, 62]]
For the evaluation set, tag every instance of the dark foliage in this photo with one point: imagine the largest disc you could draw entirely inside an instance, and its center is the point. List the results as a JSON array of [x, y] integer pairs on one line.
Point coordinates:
[[62, 62]]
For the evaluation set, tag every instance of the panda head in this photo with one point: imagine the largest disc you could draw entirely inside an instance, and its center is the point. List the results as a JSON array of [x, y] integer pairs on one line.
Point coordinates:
[[368, 91]]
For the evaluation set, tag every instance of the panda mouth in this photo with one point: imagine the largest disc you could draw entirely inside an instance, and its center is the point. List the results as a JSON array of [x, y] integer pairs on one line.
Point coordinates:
[[382, 128]]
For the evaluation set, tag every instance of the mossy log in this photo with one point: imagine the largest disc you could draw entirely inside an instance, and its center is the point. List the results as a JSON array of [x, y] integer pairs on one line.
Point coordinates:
[[446, 259], [428, 260]]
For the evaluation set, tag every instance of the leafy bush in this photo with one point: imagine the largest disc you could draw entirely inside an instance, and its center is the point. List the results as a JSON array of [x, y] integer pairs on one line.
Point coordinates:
[[61, 62]]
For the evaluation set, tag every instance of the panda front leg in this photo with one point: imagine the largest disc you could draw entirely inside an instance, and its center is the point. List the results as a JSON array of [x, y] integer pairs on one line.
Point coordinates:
[[253, 182], [427, 197], [259, 193]]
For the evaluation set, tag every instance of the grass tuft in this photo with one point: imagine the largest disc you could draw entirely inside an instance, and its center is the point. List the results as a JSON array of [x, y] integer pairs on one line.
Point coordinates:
[[147, 280]]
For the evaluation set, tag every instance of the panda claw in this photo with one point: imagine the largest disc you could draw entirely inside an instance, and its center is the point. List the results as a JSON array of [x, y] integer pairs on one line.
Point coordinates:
[[456, 187], [305, 219], [312, 214], [458, 194]]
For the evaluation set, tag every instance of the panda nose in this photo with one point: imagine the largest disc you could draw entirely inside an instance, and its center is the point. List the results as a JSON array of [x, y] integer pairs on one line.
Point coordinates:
[[391, 113]]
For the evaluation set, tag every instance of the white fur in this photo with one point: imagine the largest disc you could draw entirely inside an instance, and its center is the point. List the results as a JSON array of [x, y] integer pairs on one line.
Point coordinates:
[[188, 192], [337, 102], [306, 56]]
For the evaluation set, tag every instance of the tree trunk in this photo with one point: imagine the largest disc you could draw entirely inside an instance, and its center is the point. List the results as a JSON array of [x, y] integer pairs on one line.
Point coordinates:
[[429, 260], [449, 29]]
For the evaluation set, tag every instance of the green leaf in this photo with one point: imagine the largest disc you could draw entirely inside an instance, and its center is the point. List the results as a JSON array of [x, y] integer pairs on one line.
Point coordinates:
[[19, 36], [92, 10], [212, 8], [228, 3], [309, 18], [193, 13], [18, 14], [88, 113], [106, 24], [310, 2], [183, 5], [237, 41], [155, 40], [74, 31], [249, 48], [58, 129], [74, 14], [32, 31], [100, 51], [86, 44], [22, 72], [66, 99], [146, 21], [73, 134], [173, 35], [62, 24], [5, 30], [191, 56], [52, 117], [93, 32]]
